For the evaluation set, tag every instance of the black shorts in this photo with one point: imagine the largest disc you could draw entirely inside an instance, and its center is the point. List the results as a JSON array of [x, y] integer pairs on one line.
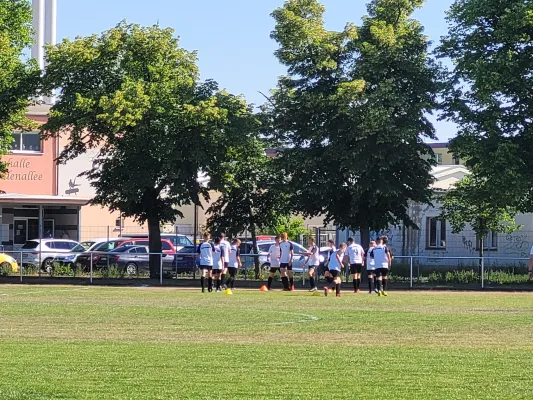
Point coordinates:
[[382, 272], [273, 270], [217, 271], [356, 268], [232, 270], [334, 273], [286, 266], [206, 267], [313, 266], [370, 272], [226, 265]]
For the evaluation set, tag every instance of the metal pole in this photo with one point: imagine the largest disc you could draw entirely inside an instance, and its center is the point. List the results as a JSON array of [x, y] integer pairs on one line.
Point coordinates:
[[91, 271], [411, 272], [161, 269], [195, 233], [108, 252], [20, 267], [482, 272]]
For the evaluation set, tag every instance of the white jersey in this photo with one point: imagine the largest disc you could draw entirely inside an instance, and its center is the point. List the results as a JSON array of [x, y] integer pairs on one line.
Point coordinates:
[[225, 246], [314, 258], [234, 252], [355, 253], [334, 264], [285, 248], [370, 263], [379, 254], [206, 251], [274, 253], [217, 258]]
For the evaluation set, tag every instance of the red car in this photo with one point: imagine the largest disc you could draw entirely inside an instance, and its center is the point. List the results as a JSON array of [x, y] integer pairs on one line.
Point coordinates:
[[167, 245]]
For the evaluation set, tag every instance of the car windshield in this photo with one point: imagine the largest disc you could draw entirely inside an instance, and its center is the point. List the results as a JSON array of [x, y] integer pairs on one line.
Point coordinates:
[[122, 249], [263, 248], [83, 246], [181, 241], [30, 245]]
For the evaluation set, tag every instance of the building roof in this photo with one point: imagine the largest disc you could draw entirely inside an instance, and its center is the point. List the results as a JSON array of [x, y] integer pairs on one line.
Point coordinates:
[[40, 109], [447, 175], [438, 145], [37, 199]]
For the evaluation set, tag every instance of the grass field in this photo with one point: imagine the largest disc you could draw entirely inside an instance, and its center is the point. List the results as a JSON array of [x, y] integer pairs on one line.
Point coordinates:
[[66, 342]]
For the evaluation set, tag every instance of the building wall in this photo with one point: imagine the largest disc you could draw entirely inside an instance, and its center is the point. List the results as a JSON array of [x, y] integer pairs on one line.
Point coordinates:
[[30, 172]]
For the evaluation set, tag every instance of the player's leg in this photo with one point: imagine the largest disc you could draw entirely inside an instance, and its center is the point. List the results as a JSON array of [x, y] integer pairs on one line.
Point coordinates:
[[202, 277], [290, 275], [284, 278], [218, 277], [210, 279], [370, 276], [353, 272], [379, 280], [271, 276], [358, 270], [312, 282], [337, 281], [385, 281]]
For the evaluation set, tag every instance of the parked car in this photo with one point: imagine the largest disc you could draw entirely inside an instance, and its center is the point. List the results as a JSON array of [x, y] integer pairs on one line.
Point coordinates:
[[71, 257], [132, 260], [185, 263], [41, 252], [167, 245], [298, 260], [84, 259], [178, 241], [6, 261]]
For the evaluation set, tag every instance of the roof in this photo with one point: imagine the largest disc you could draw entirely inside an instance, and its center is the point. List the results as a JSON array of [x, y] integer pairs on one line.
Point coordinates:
[[447, 175], [438, 145], [41, 109], [37, 199]]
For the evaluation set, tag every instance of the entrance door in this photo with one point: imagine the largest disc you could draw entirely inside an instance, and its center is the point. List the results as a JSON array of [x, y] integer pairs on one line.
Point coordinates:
[[20, 231], [33, 228]]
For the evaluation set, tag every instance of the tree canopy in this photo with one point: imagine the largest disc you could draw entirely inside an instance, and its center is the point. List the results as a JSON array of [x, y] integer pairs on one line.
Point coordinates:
[[19, 77], [134, 94], [351, 113], [490, 95]]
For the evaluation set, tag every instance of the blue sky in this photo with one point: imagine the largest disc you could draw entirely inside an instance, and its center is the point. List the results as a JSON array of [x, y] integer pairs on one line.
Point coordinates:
[[231, 36]]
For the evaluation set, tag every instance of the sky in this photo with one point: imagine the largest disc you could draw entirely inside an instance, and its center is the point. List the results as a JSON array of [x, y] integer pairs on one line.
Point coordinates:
[[232, 37]]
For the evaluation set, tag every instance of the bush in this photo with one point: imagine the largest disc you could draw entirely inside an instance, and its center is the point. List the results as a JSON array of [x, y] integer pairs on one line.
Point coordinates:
[[6, 269]]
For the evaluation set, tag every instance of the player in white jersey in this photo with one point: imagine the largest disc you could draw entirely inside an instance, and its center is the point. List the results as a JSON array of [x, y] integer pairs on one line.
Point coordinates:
[[371, 267], [313, 262], [381, 256], [335, 266], [225, 247], [356, 255], [206, 250], [285, 263], [218, 263], [273, 257], [234, 263]]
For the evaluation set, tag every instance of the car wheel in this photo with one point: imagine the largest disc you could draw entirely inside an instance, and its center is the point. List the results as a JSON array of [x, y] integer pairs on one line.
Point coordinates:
[[48, 265], [131, 269]]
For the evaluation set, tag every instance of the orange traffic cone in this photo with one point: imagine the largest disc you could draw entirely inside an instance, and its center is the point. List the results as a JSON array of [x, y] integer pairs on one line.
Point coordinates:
[[263, 288]]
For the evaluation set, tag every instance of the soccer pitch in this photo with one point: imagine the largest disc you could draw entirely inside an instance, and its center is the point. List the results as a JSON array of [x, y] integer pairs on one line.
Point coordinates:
[[68, 342]]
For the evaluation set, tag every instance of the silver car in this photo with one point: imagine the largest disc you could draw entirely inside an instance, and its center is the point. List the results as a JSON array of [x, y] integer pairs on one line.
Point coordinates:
[[42, 252], [298, 261]]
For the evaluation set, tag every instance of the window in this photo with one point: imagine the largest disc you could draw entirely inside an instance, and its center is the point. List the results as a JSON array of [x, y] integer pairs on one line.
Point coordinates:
[[436, 233], [26, 141], [457, 161], [141, 250], [438, 158], [489, 243], [166, 246], [118, 223]]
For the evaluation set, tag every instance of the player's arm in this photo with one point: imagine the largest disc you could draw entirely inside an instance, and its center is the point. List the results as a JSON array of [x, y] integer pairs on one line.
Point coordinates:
[[363, 256], [269, 253], [291, 253], [238, 257], [530, 265], [339, 258], [389, 258]]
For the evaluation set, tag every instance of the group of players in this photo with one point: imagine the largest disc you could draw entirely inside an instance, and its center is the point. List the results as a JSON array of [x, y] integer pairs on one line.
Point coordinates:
[[221, 257]]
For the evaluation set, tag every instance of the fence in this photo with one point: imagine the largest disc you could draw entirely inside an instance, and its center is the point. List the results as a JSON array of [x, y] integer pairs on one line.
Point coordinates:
[[409, 272]]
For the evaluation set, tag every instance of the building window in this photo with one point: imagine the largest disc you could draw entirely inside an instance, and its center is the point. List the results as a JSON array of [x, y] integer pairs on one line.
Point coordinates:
[[118, 223], [457, 161], [26, 141], [438, 158], [436, 233], [489, 243]]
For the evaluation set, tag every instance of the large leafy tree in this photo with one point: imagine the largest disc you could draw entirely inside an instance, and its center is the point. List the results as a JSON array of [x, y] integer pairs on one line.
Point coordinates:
[[135, 94], [19, 77], [470, 203], [490, 95], [352, 113]]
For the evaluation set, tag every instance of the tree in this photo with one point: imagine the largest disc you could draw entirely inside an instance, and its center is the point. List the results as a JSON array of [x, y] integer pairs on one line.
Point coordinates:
[[251, 195], [135, 94], [470, 202], [294, 226], [351, 113], [490, 95], [19, 77]]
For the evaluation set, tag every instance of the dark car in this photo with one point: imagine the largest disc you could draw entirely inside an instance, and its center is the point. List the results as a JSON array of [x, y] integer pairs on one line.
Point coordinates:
[[84, 259], [184, 260], [131, 260]]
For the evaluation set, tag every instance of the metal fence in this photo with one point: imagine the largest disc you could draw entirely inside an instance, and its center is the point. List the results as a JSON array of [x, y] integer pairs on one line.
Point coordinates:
[[407, 271]]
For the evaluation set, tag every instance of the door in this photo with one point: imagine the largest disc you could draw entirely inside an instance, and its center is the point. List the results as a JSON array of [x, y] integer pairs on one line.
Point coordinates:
[[20, 231]]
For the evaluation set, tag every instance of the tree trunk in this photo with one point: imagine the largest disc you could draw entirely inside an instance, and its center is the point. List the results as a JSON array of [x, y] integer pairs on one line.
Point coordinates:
[[255, 251], [154, 243], [365, 237]]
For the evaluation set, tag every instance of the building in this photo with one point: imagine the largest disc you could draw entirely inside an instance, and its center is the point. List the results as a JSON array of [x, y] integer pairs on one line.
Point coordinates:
[[443, 156]]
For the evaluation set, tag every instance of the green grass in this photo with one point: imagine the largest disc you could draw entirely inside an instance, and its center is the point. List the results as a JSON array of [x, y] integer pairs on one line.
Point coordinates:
[[65, 342]]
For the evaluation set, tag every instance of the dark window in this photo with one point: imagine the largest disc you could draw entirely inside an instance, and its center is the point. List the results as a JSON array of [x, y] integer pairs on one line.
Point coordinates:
[[26, 141], [50, 245], [436, 233], [166, 246], [30, 245], [489, 243], [141, 250], [457, 161]]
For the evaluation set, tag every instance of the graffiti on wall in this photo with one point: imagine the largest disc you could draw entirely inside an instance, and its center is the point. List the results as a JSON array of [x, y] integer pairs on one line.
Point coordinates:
[[517, 245], [469, 245]]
